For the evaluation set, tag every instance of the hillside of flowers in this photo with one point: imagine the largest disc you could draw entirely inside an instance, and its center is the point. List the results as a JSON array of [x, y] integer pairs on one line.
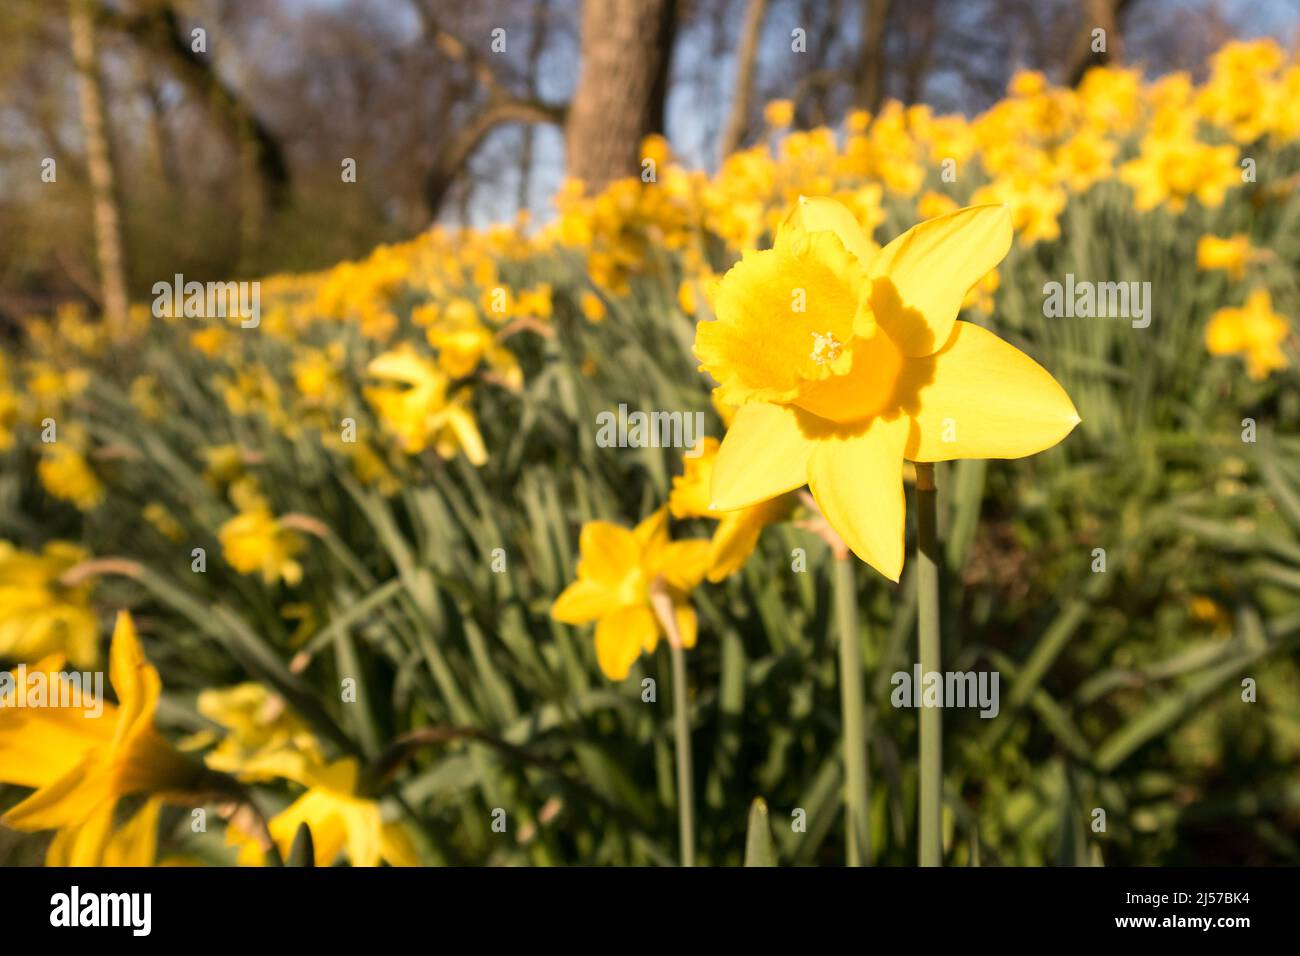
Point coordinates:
[[369, 566]]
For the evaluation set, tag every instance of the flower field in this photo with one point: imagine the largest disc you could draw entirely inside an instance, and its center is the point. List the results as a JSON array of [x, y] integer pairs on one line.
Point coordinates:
[[368, 565]]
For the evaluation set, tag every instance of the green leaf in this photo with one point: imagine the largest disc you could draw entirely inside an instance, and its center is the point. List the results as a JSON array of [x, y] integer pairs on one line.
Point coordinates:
[[303, 850], [759, 850]]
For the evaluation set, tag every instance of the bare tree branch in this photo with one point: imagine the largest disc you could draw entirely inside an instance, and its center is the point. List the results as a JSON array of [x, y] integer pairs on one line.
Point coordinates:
[[502, 107], [157, 29], [733, 133]]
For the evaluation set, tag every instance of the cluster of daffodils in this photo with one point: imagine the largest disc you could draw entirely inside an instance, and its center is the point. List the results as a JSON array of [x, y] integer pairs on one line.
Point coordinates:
[[1253, 330], [825, 271], [1169, 142], [100, 784], [874, 368]]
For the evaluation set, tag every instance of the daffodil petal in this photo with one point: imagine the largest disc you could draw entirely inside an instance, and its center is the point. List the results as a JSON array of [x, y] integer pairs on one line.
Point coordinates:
[[86, 844], [738, 533], [463, 426], [857, 481], [652, 533], [66, 802], [819, 214], [363, 826], [765, 453], [684, 563], [608, 550], [582, 601], [622, 636], [403, 365], [135, 843], [981, 397], [733, 543], [136, 681], [397, 847], [920, 279]]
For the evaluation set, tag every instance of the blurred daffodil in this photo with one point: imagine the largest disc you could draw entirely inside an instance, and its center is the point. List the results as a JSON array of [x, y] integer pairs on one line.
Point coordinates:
[[64, 472], [341, 822], [1232, 255], [846, 361], [778, 114], [621, 574], [80, 765], [255, 541], [421, 413], [1253, 331], [38, 614], [737, 533], [263, 739]]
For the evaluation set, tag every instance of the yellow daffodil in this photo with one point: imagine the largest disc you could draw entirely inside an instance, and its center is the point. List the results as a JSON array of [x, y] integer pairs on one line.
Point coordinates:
[[225, 464], [1171, 169], [737, 534], [147, 398], [163, 521], [593, 307], [846, 361], [211, 341], [40, 616], [932, 204], [80, 766], [340, 821], [778, 114], [618, 575], [265, 741], [264, 738], [462, 342], [316, 376], [1254, 331], [66, 475], [1232, 255], [980, 296], [254, 540], [421, 414]]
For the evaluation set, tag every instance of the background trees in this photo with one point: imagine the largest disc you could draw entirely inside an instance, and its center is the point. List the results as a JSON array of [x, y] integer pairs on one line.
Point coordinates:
[[227, 125]]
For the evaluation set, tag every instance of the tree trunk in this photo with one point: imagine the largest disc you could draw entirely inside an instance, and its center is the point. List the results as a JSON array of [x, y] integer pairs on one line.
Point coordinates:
[[99, 166], [1103, 14], [871, 78], [622, 84]]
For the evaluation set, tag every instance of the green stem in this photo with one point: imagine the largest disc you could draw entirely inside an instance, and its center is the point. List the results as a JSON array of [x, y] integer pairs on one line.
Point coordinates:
[[927, 593], [857, 821], [685, 783]]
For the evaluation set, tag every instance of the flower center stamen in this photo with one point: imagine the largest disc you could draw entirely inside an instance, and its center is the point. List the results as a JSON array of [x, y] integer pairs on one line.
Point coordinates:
[[826, 348]]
